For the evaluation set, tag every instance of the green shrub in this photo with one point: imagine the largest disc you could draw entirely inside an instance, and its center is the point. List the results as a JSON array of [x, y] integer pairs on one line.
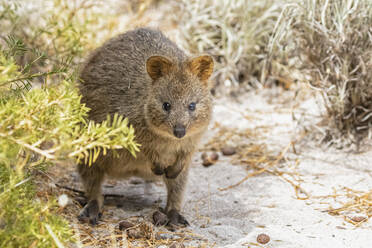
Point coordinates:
[[42, 120], [37, 126]]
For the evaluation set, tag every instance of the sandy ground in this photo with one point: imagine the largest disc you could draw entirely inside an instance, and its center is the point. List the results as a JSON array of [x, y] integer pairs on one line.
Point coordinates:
[[265, 203]]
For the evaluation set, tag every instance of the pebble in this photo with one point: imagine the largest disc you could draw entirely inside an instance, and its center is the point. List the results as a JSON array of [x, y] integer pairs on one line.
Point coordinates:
[[358, 218], [228, 150], [263, 238], [209, 159]]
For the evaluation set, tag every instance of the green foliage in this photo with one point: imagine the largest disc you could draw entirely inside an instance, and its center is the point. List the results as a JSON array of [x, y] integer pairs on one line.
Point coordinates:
[[25, 73], [24, 219], [55, 114], [37, 126], [45, 124], [67, 28]]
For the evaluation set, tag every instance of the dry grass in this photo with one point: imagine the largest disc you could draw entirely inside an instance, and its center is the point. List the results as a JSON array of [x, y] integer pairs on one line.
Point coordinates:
[[258, 156], [332, 41], [107, 232], [235, 32], [353, 205]]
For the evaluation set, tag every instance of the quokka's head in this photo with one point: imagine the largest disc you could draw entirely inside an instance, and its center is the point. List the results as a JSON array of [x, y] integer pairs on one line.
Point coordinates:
[[179, 102]]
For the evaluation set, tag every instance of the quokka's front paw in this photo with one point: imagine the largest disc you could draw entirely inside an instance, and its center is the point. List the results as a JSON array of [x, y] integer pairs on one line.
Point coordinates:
[[172, 172], [176, 219], [172, 219], [90, 213], [157, 169]]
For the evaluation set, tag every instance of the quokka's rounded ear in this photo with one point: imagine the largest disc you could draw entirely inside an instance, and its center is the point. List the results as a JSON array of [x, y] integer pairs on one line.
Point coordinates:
[[202, 67], [158, 66]]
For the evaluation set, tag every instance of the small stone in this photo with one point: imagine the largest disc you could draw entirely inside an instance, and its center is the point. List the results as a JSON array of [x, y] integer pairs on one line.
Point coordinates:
[[214, 156], [124, 225], [210, 159], [159, 218], [358, 218], [63, 200], [228, 150], [263, 238], [204, 155], [207, 163]]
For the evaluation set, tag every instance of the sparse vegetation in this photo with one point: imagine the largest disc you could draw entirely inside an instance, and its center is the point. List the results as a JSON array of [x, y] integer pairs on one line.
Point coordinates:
[[332, 41], [236, 33]]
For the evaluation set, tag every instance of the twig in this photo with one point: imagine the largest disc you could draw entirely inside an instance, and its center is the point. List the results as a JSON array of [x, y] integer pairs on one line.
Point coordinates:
[[261, 170], [69, 188], [80, 192], [29, 77], [55, 238], [15, 186]]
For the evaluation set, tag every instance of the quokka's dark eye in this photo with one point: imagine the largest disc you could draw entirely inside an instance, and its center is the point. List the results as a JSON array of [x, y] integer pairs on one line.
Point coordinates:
[[192, 106], [166, 106]]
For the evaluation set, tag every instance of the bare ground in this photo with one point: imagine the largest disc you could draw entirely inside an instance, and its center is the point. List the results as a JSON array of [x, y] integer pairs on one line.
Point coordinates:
[[294, 185]]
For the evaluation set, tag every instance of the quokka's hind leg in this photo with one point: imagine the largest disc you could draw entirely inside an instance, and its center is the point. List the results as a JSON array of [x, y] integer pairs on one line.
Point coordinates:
[[176, 189], [92, 177]]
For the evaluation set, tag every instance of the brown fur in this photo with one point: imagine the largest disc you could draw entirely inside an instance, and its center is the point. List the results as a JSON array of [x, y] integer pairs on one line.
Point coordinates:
[[133, 74]]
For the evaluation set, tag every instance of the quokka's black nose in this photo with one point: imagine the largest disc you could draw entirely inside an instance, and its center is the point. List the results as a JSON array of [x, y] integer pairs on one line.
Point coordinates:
[[179, 131]]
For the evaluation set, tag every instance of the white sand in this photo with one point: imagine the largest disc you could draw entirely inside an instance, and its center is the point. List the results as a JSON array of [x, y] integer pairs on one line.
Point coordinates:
[[266, 203]]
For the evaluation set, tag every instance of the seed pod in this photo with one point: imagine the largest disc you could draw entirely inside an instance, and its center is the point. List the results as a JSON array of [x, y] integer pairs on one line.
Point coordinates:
[[263, 238], [209, 159], [228, 150]]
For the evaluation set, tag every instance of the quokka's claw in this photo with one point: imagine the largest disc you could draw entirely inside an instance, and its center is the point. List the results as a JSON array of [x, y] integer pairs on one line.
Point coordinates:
[[90, 213], [157, 169], [175, 218]]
